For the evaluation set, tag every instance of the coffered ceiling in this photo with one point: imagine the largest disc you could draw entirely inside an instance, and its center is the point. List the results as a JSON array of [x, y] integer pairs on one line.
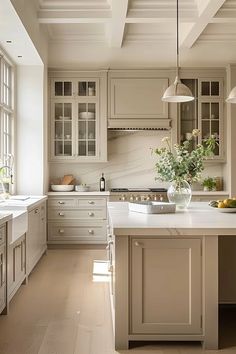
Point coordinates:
[[145, 24], [136, 33]]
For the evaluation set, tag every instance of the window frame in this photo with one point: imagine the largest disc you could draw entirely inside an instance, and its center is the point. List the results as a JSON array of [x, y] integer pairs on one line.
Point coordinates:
[[7, 114]]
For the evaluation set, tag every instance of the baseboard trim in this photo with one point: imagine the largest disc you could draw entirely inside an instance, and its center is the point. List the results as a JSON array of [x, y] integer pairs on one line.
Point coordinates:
[[77, 246]]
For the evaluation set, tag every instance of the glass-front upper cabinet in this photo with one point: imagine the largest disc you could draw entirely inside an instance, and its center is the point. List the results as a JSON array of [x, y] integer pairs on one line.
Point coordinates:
[[62, 113], [210, 88], [73, 88], [189, 114], [77, 130], [87, 129], [204, 113]]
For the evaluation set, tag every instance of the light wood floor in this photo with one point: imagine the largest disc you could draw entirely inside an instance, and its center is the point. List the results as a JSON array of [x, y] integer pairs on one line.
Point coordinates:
[[63, 311]]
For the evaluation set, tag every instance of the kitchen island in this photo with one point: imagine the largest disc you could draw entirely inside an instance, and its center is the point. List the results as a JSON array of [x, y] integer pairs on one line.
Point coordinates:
[[164, 273]]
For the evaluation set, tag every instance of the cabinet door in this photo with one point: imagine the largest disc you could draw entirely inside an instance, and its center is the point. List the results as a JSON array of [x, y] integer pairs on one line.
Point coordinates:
[[210, 88], [2, 277], [62, 88], [138, 98], [87, 129], [43, 229], [33, 238], [16, 265], [211, 122], [62, 132], [166, 286]]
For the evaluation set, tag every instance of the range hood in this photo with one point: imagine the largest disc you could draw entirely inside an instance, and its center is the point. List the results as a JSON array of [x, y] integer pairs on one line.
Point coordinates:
[[139, 124]]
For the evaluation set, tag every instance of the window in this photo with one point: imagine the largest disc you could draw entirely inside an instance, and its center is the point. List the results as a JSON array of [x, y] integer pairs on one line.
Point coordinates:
[[6, 114]]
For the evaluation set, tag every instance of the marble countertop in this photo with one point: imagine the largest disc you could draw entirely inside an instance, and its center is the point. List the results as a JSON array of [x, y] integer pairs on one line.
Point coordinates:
[[74, 193], [107, 193], [4, 217], [199, 219], [28, 204]]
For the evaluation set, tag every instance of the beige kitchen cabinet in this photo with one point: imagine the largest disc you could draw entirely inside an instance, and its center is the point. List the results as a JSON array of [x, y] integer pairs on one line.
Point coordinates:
[[77, 219], [134, 99], [78, 117], [16, 265], [204, 113], [3, 267], [166, 286], [36, 236]]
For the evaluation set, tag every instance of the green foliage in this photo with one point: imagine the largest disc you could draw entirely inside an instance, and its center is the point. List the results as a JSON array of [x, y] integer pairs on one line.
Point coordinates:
[[209, 183], [181, 163]]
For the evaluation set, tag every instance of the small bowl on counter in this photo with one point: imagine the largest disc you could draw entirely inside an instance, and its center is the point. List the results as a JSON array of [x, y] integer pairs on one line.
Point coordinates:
[[62, 187], [81, 188]]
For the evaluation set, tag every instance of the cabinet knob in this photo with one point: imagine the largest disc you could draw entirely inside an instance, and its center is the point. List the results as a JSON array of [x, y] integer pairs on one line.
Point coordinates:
[[61, 202], [61, 231], [137, 244], [91, 232], [109, 235], [91, 214], [36, 211], [61, 214], [91, 202]]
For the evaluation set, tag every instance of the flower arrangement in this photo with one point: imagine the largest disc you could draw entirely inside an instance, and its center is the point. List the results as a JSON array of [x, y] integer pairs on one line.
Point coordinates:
[[181, 163]]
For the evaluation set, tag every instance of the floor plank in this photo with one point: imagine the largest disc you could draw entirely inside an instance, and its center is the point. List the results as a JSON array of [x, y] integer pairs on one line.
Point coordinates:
[[63, 311]]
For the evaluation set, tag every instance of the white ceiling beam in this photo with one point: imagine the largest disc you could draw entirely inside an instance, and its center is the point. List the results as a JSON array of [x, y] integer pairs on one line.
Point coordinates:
[[157, 16], [74, 16], [207, 10], [225, 16], [117, 25]]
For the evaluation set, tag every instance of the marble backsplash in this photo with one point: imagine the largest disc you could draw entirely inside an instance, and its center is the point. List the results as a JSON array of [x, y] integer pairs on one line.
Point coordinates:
[[130, 162]]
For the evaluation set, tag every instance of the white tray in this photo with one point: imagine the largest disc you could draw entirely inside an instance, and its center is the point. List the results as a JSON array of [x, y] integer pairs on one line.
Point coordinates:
[[153, 207]]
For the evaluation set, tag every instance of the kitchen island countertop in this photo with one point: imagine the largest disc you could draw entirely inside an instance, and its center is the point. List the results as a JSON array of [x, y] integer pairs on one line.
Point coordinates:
[[199, 219]]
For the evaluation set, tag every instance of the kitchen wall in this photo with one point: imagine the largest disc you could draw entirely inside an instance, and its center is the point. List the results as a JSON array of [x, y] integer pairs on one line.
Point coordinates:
[[130, 162]]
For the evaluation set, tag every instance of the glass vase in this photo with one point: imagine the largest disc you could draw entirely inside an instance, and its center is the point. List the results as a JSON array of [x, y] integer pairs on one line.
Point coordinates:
[[180, 193]]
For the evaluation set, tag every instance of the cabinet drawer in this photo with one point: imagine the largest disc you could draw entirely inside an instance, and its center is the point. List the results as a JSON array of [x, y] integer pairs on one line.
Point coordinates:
[[77, 214], [2, 234], [62, 202], [92, 202], [75, 232]]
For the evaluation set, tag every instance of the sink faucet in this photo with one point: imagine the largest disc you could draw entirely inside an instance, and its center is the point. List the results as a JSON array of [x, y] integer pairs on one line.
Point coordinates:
[[10, 171]]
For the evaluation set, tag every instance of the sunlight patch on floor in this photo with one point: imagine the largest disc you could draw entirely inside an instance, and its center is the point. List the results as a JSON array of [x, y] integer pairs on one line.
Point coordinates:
[[100, 271]]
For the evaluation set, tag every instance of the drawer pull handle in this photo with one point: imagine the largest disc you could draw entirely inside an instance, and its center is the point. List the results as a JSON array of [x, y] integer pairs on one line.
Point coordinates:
[[61, 214], [60, 202], [91, 214], [36, 211], [109, 243], [91, 202], [91, 232], [61, 231]]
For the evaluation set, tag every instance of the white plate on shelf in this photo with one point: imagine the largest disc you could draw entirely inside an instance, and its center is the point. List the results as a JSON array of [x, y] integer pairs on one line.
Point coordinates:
[[87, 115]]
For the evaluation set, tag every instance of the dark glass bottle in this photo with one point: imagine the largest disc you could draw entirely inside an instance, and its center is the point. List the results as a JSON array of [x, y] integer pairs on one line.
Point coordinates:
[[102, 183]]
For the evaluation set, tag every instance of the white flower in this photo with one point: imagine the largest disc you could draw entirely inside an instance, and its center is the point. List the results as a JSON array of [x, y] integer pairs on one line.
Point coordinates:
[[195, 132], [166, 139]]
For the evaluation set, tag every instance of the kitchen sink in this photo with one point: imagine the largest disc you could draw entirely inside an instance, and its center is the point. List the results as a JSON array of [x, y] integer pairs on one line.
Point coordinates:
[[18, 225]]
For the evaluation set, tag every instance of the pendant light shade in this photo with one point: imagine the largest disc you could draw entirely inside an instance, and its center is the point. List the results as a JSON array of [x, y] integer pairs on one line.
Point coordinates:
[[232, 96], [177, 92]]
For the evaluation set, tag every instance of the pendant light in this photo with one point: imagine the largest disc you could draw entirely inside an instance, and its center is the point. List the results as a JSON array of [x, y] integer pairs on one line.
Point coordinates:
[[177, 92], [232, 96]]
